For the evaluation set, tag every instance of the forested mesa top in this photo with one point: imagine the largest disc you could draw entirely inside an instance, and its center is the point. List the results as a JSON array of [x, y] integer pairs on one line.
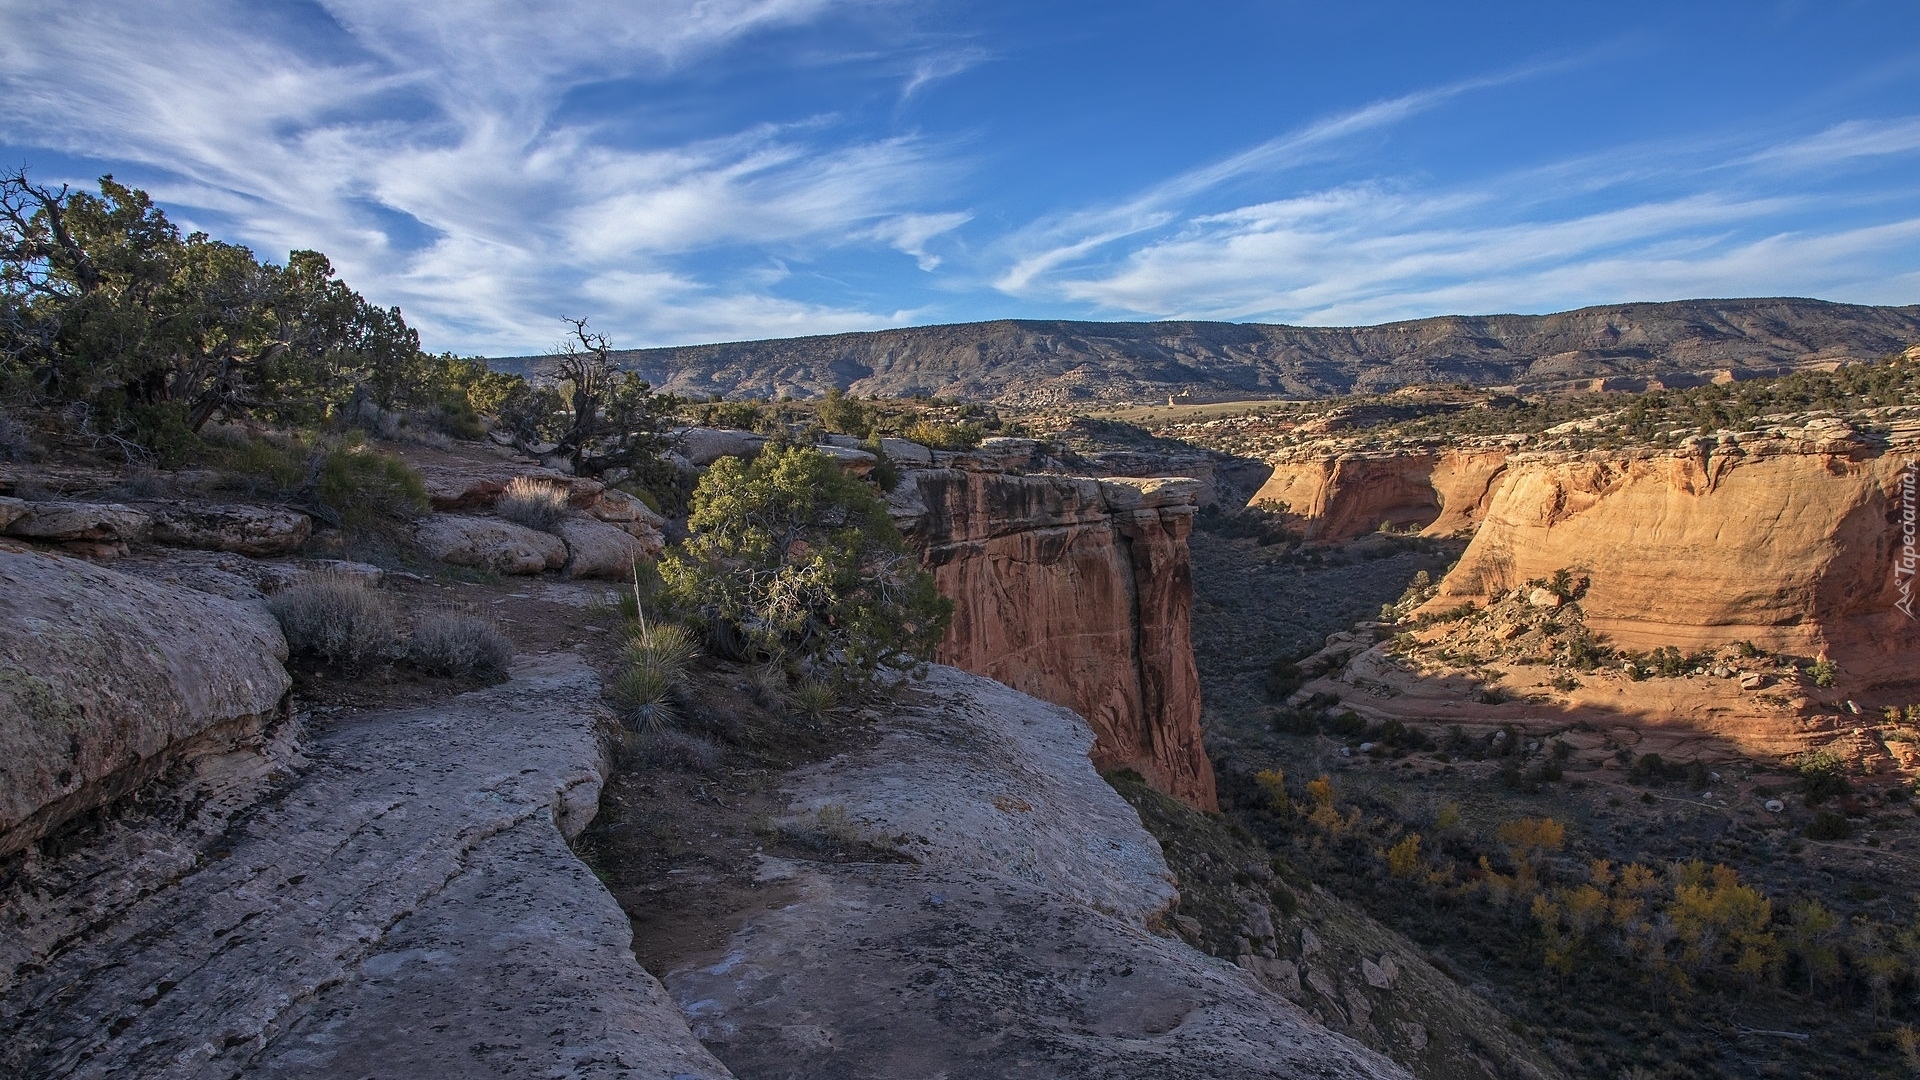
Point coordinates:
[[1054, 363]]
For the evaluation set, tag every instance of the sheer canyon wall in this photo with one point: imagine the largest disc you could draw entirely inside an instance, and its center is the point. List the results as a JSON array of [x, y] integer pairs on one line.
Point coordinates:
[[1077, 591]]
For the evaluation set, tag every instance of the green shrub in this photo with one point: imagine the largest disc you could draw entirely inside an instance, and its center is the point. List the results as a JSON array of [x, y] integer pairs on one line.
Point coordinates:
[[1822, 776], [459, 645], [945, 436], [1283, 678], [1347, 725], [340, 621], [667, 646], [812, 699], [886, 475], [257, 465], [1823, 671], [367, 490], [796, 560], [1827, 825], [533, 503]]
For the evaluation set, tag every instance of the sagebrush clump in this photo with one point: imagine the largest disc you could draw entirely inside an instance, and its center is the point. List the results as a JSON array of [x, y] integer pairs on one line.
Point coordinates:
[[340, 621], [459, 645]]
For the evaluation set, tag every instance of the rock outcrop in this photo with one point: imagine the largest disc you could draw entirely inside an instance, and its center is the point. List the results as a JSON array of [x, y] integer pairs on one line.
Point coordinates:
[[1077, 591], [1788, 538], [490, 544], [241, 529], [84, 528], [407, 907], [108, 680], [1337, 495], [1030, 901]]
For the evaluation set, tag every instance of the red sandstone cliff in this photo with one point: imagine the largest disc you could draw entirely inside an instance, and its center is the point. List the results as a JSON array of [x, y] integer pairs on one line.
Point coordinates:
[[1077, 591], [1340, 495], [1789, 539]]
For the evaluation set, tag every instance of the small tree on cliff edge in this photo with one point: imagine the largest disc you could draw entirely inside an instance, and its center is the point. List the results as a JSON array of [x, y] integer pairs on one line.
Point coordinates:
[[791, 557]]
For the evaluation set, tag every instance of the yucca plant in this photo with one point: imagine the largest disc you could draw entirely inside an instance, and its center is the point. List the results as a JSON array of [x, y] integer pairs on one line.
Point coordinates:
[[813, 699]]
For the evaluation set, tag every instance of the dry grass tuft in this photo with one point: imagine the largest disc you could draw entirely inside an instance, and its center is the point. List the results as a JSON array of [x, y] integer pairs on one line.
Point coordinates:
[[533, 503]]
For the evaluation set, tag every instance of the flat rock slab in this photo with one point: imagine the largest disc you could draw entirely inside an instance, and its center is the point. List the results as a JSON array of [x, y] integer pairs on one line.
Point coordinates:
[[1018, 947], [407, 908], [890, 971], [981, 777], [81, 521]]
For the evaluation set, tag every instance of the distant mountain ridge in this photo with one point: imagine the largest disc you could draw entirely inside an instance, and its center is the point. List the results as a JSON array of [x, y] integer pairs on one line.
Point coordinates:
[[1028, 362]]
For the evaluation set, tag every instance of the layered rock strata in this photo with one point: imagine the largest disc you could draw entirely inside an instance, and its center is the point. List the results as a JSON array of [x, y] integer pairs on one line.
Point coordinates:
[[1029, 901], [1077, 591]]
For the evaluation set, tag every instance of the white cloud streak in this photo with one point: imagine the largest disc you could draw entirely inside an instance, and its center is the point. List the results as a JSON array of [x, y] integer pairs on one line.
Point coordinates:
[[445, 114], [1062, 240], [1555, 235]]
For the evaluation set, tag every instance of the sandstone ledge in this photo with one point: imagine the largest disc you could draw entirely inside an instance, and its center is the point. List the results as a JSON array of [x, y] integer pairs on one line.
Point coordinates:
[[1018, 944], [407, 908]]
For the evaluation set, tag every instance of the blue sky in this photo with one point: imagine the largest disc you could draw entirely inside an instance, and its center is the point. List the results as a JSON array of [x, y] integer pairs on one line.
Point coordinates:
[[686, 171]]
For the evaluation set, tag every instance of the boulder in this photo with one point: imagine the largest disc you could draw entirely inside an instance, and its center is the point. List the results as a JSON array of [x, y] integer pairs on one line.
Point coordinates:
[[703, 446], [1543, 598], [620, 508], [244, 530], [1002, 454], [855, 462], [107, 679], [1150, 493], [596, 549], [12, 510], [907, 452], [490, 544], [633, 517], [81, 521]]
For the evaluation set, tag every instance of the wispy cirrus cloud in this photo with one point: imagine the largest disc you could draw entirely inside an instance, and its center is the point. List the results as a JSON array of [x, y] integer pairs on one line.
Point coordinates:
[[1844, 142], [1721, 216], [419, 145], [1049, 244]]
